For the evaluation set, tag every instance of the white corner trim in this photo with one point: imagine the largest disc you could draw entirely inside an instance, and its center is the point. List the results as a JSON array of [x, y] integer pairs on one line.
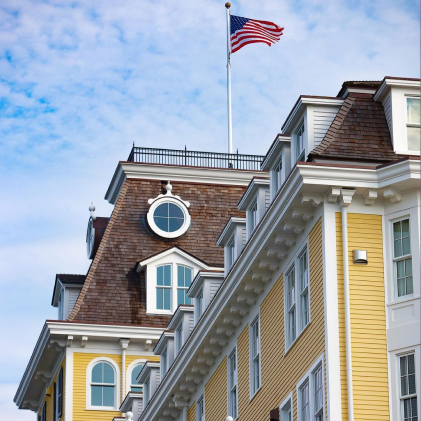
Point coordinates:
[[68, 385], [88, 385]]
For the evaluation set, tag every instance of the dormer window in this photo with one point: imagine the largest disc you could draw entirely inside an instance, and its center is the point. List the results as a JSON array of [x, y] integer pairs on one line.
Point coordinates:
[[299, 142], [231, 252], [163, 287], [413, 123], [252, 216], [184, 279]]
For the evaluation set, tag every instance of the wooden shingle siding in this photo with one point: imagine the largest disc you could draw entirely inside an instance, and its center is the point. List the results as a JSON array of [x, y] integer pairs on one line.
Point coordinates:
[[368, 319], [191, 412], [280, 374], [216, 405], [322, 122]]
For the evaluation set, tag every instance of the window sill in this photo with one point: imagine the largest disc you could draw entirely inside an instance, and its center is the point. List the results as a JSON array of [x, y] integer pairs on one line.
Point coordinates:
[[255, 393], [296, 339], [159, 312], [101, 408], [401, 300]]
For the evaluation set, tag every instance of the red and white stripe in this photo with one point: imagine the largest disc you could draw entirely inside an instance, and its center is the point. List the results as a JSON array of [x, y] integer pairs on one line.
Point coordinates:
[[256, 31]]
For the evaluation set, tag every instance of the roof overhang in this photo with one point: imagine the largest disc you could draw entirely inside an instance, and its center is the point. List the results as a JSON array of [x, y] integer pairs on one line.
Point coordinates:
[[228, 230], [198, 280], [202, 175], [127, 404], [178, 314], [273, 153], [392, 82], [251, 191], [163, 341], [146, 371]]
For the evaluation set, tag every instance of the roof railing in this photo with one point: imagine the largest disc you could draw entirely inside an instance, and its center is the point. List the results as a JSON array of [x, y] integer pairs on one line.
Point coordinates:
[[195, 158]]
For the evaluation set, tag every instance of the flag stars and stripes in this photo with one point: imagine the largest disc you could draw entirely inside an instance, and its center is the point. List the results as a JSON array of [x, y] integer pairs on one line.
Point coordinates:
[[248, 31]]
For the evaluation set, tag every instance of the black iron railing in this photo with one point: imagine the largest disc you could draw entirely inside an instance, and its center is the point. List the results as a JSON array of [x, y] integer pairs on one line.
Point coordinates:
[[195, 158]]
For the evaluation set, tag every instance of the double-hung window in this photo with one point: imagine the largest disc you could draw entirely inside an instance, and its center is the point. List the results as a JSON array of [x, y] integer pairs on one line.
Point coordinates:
[[184, 278], [163, 287], [103, 385], [305, 402], [252, 217], [200, 412], [255, 356], [303, 282], [230, 252], [232, 385], [413, 123], [402, 258], [310, 394], [291, 307], [408, 393], [318, 393], [299, 143]]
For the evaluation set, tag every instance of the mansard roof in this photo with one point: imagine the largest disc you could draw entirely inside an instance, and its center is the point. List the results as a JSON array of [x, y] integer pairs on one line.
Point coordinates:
[[359, 131], [113, 291]]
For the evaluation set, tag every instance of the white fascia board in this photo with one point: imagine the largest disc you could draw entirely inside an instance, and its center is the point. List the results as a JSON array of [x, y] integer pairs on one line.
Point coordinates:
[[162, 342], [146, 370], [32, 365], [128, 401], [200, 278], [165, 253], [388, 83], [200, 175], [251, 192], [300, 106], [274, 152], [228, 230], [103, 331], [177, 316]]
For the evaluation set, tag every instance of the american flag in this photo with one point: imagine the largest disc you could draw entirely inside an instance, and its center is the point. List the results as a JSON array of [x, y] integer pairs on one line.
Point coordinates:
[[248, 31]]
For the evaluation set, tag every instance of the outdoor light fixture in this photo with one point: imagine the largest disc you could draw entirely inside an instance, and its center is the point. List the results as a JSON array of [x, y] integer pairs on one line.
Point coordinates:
[[359, 256]]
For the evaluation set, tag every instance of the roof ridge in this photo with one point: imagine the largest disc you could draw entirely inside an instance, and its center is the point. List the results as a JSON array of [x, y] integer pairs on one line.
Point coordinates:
[[95, 261], [334, 127]]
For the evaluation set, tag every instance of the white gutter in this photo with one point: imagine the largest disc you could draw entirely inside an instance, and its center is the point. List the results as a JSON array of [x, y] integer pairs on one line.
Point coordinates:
[[346, 199]]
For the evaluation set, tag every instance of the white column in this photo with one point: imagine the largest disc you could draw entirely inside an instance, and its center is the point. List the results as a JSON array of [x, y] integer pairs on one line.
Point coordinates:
[[124, 343]]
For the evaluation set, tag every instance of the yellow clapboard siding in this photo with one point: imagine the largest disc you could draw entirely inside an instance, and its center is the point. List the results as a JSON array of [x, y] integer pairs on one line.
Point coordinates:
[[368, 320], [281, 373], [216, 394], [191, 412]]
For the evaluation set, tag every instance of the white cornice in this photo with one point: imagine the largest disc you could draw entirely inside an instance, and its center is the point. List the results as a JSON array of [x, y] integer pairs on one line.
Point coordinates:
[[176, 173], [389, 83], [229, 229], [251, 191]]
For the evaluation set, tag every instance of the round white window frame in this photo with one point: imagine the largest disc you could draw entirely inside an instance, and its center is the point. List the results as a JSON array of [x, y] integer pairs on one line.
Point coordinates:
[[160, 232]]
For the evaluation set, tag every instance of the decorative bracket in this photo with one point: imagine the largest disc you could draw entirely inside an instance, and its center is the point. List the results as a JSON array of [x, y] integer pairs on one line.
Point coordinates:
[[369, 197], [314, 199], [334, 194], [393, 195]]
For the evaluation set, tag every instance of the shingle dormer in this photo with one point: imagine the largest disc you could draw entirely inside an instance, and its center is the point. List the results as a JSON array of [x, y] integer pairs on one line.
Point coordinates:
[[233, 239], [255, 201]]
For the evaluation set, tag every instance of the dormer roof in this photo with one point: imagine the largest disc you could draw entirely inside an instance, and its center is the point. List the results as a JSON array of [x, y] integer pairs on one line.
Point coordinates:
[[177, 316], [228, 230], [273, 153], [66, 280], [162, 341], [146, 369], [198, 280], [128, 401], [251, 191]]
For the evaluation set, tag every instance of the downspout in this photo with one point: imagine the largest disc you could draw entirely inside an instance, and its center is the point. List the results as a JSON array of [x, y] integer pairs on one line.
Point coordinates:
[[124, 343], [345, 201]]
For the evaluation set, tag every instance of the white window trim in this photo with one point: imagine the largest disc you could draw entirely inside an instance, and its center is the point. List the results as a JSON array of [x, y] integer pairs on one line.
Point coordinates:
[[198, 416], [129, 370], [398, 379], [285, 402], [89, 368], [234, 351], [309, 377], [251, 379], [294, 262], [393, 260], [171, 288], [410, 124]]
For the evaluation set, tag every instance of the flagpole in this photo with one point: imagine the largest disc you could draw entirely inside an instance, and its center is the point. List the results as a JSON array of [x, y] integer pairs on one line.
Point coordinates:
[[228, 5]]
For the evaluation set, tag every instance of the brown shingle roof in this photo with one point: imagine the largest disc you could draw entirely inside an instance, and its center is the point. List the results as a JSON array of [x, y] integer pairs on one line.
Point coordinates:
[[113, 291], [359, 131]]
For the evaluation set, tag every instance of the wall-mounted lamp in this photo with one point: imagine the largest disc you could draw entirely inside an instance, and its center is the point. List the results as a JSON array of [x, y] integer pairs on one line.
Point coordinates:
[[360, 256]]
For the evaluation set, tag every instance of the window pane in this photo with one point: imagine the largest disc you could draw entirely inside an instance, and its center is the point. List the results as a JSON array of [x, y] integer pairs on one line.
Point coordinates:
[[413, 110], [187, 276], [180, 276], [413, 138], [408, 267], [397, 248], [160, 298], [108, 373], [97, 373], [167, 275], [162, 210], [181, 296], [409, 285], [175, 211], [397, 230], [161, 223], [108, 395], [96, 395], [401, 287], [167, 299], [406, 246], [136, 389], [401, 268], [405, 228], [160, 275], [175, 224], [135, 373]]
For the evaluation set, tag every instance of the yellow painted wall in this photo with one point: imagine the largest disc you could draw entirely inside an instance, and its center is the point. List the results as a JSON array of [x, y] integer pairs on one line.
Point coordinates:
[[80, 364], [191, 413], [49, 398], [216, 394], [368, 319], [280, 374]]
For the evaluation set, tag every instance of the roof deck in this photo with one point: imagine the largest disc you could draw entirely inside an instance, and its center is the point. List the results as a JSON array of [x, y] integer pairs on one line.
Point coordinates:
[[188, 158]]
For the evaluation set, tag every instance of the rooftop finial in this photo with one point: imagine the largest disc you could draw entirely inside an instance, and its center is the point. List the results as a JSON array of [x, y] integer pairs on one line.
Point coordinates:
[[169, 188], [92, 211]]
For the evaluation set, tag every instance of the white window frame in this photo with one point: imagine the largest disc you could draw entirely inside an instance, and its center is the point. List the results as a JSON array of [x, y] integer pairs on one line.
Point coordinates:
[[129, 370], [184, 288], [200, 409], [253, 358], [308, 378], [296, 307], [411, 396], [401, 258], [409, 124], [232, 385], [164, 287], [286, 408], [298, 139], [252, 217], [89, 368]]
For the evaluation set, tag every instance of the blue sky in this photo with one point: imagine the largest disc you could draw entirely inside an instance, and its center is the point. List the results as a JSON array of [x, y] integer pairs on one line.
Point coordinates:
[[80, 81]]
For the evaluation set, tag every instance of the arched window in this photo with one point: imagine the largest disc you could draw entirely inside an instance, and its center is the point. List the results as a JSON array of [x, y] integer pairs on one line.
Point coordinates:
[[103, 385], [134, 385]]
